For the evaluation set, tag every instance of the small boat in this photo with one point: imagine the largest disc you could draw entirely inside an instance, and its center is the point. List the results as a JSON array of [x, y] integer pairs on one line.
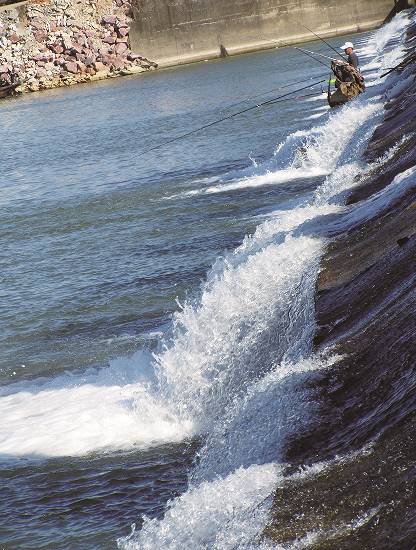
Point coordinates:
[[8, 90]]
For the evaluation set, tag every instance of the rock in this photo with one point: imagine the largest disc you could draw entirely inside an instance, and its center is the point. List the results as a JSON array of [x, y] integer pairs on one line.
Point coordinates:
[[41, 72], [133, 70], [118, 63], [41, 36], [109, 20], [120, 48], [36, 23], [123, 31], [87, 52], [71, 67], [109, 40], [56, 48], [76, 48], [134, 56], [99, 66], [14, 38], [67, 43], [5, 77]]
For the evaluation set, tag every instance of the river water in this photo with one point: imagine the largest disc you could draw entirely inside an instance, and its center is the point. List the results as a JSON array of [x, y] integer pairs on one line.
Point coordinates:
[[157, 309]]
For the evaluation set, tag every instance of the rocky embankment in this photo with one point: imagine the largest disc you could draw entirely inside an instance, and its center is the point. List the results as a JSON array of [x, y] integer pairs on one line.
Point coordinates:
[[361, 495], [62, 42]]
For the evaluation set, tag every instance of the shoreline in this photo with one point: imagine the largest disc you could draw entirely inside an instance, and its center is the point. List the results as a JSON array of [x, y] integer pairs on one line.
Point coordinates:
[[45, 47], [51, 45]]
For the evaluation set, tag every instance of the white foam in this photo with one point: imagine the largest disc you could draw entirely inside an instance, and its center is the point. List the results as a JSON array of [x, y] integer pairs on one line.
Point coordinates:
[[217, 349], [306, 154], [233, 368], [225, 513], [73, 416], [248, 419], [249, 432]]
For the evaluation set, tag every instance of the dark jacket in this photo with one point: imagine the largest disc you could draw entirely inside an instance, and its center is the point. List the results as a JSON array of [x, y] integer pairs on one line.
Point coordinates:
[[353, 60]]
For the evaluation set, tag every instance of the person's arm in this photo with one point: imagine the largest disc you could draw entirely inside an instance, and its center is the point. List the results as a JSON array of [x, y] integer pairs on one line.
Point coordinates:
[[353, 60]]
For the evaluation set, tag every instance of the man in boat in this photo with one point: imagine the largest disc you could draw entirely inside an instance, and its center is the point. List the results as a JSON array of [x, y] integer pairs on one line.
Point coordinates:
[[348, 48], [348, 79]]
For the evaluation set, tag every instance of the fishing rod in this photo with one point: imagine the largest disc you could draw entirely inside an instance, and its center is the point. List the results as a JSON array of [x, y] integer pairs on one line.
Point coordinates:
[[300, 49], [324, 41], [315, 53], [273, 102], [309, 55], [215, 122], [273, 90], [402, 65]]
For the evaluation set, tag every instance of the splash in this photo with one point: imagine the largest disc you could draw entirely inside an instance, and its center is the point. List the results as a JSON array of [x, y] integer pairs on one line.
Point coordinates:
[[235, 367]]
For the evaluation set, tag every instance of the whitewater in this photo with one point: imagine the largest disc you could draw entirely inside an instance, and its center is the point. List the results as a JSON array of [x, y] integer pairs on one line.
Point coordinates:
[[233, 368]]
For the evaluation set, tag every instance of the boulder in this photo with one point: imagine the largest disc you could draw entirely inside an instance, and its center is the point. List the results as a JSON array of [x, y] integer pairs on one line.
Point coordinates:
[[76, 48], [89, 61], [123, 31], [40, 73], [56, 48], [109, 20], [71, 67], [118, 63], [120, 48], [36, 23], [99, 66], [41, 36], [109, 40], [14, 38], [133, 56], [67, 42]]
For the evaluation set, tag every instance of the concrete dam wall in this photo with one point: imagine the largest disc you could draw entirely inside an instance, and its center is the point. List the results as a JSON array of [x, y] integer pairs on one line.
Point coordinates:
[[181, 31]]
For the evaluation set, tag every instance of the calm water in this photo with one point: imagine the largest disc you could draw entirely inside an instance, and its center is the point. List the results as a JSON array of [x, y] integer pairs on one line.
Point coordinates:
[[135, 312]]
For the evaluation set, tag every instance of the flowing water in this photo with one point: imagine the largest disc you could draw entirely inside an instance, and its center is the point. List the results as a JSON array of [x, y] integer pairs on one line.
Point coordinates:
[[157, 310]]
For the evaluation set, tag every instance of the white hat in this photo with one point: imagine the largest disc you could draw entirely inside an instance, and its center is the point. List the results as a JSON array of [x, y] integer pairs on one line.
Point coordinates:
[[347, 45]]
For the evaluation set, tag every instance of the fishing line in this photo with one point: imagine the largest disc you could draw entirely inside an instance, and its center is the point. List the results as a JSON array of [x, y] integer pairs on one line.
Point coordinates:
[[324, 41], [309, 55], [316, 53], [209, 125], [273, 90], [402, 65]]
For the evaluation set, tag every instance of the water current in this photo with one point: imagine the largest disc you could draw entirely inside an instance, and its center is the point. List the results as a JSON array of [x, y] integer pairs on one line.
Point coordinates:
[[157, 309]]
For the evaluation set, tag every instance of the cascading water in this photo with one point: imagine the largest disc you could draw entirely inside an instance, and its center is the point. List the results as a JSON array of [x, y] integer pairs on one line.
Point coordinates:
[[234, 369], [239, 358]]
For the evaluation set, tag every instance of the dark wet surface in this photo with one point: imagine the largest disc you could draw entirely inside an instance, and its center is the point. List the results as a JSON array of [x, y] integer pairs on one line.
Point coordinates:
[[363, 494]]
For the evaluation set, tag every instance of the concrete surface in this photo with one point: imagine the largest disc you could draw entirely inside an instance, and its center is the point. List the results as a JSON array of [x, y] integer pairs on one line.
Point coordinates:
[[172, 32]]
